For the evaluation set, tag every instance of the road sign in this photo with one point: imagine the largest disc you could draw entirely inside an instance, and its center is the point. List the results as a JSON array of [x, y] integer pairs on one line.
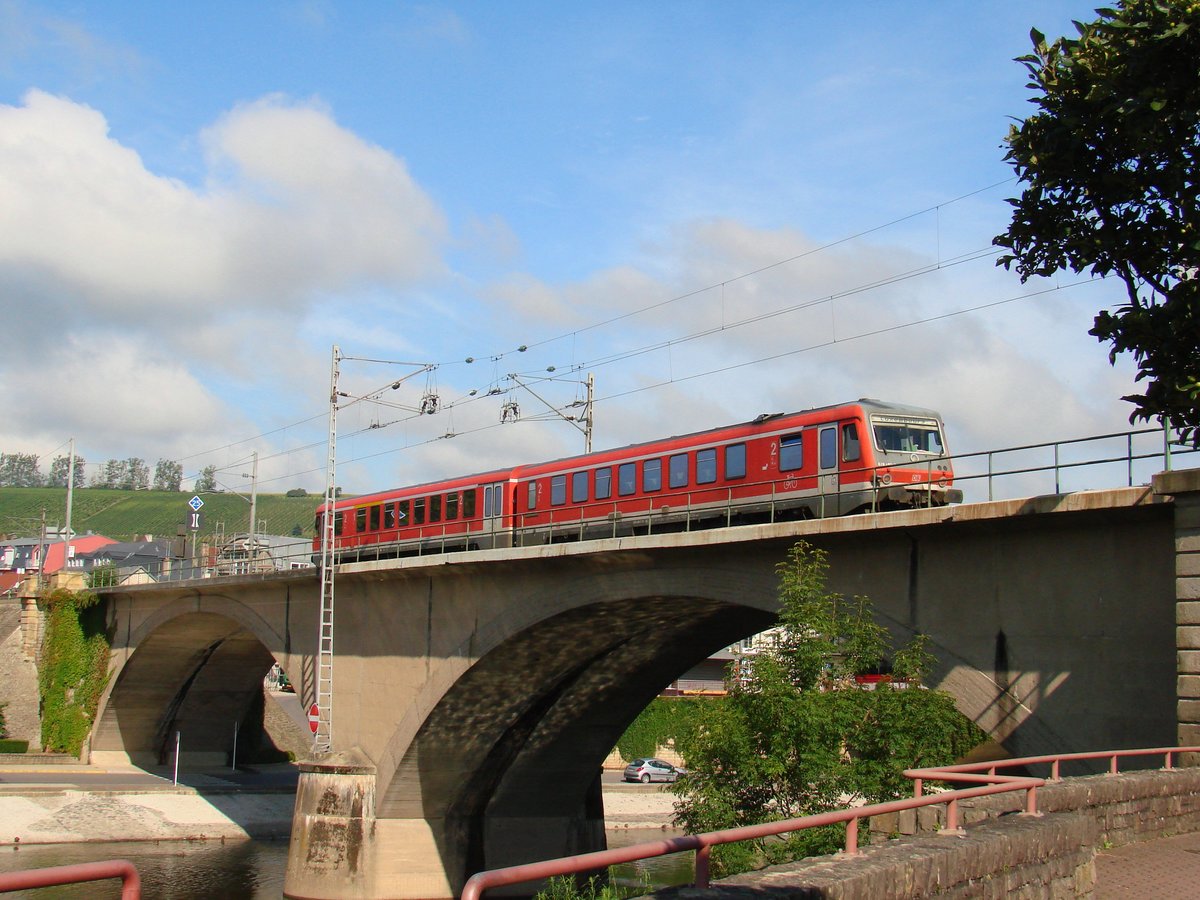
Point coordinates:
[[195, 503], [195, 521], [314, 718]]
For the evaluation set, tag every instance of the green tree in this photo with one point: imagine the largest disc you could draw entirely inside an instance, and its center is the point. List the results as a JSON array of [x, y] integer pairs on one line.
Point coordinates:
[[1110, 163], [798, 735], [168, 475], [20, 470], [207, 479], [61, 466]]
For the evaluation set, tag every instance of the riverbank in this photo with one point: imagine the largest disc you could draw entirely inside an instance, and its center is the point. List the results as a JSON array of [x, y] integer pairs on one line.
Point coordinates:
[[211, 808]]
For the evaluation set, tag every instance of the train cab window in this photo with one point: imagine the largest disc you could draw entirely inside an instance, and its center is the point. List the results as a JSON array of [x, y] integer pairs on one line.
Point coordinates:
[[677, 470], [402, 515], [627, 479], [360, 520], [851, 449], [419, 511], [652, 475], [735, 461], [375, 513], [579, 487], [791, 452], [452, 505], [337, 523], [558, 490], [706, 466], [531, 501], [435, 508], [604, 483], [468, 503], [828, 448]]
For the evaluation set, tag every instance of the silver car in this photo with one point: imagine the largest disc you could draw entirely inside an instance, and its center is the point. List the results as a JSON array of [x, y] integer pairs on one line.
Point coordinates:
[[647, 770]]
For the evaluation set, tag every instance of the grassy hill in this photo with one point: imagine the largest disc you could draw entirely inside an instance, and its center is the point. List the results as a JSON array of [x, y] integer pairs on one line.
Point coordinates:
[[124, 515]]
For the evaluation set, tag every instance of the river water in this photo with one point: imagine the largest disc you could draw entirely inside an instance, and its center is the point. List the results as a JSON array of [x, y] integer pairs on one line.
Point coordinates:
[[251, 870]]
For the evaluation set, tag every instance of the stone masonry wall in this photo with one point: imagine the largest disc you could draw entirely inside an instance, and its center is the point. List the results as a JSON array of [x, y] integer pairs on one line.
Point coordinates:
[[998, 854]]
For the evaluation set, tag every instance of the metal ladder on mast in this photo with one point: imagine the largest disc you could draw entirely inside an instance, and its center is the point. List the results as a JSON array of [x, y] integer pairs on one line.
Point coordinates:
[[323, 739]]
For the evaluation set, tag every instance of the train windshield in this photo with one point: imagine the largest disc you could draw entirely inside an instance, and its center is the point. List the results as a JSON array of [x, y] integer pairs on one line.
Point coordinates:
[[902, 434]]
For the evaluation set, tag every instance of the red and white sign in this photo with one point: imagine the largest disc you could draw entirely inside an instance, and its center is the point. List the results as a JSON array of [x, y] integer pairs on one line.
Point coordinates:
[[314, 717]]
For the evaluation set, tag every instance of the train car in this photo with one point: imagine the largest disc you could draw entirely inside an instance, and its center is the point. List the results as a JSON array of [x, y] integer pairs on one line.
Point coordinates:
[[467, 513], [836, 460]]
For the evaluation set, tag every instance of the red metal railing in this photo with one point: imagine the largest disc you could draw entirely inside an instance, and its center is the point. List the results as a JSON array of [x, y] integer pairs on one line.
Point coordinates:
[[131, 882], [990, 782]]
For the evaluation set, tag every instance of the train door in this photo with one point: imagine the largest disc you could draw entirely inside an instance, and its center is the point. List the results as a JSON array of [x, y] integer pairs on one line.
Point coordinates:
[[827, 473], [493, 515]]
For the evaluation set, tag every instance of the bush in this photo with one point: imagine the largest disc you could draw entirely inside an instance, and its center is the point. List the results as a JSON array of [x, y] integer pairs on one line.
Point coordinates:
[[10, 745]]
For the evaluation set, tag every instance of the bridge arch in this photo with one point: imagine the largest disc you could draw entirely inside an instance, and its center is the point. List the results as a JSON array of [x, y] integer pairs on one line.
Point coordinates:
[[196, 668]]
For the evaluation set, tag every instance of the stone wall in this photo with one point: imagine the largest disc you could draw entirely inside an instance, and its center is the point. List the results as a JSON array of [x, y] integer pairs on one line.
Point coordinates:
[[998, 854]]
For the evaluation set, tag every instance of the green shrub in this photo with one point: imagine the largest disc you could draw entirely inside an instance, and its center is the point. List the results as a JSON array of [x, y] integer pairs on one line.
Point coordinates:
[[11, 745]]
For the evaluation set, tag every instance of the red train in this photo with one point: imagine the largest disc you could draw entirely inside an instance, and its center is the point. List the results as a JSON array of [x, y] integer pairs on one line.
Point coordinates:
[[866, 455]]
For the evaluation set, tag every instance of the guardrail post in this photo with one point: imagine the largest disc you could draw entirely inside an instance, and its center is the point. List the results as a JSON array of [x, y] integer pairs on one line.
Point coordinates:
[[702, 855], [1031, 802], [1057, 486], [852, 837]]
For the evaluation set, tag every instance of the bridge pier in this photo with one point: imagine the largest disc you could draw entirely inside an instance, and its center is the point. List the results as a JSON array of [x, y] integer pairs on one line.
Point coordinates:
[[341, 851], [1184, 487]]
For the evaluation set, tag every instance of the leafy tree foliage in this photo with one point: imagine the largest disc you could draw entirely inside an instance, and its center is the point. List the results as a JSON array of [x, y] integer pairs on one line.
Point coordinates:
[[798, 735], [1110, 162], [137, 475], [20, 470], [60, 469], [111, 475], [168, 475], [207, 480]]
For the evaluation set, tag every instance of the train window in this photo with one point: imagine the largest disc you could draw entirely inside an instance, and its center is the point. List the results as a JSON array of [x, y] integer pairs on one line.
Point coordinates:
[[652, 475], [468, 503], [735, 461], [419, 511], [435, 508], [402, 512], [851, 449], [389, 516], [337, 523], [791, 452], [487, 501], [579, 487], [558, 490], [604, 483], [677, 470], [706, 466], [452, 505], [531, 502], [627, 479], [375, 513], [828, 448], [360, 520]]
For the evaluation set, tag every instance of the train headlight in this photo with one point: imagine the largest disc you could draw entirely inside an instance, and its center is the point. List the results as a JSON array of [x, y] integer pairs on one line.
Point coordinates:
[[885, 478]]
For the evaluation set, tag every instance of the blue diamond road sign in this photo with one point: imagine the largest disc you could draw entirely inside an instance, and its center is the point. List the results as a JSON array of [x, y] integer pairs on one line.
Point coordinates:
[[195, 503]]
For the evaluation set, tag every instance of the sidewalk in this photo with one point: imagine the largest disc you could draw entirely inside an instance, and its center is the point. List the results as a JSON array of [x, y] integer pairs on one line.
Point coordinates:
[[1163, 869]]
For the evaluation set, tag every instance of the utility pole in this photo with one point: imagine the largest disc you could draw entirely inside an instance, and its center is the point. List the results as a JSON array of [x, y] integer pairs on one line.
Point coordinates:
[[323, 740], [512, 411], [253, 554], [70, 498]]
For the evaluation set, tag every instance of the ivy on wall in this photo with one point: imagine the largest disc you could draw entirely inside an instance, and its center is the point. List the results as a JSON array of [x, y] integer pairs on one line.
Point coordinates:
[[664, 722], [73, 669]]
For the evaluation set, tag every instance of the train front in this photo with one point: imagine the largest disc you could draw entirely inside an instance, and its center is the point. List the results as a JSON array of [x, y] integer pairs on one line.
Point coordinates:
[[912, 465]]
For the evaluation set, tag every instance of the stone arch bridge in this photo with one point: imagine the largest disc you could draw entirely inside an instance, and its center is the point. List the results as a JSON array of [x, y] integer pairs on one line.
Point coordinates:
[[475, 695]]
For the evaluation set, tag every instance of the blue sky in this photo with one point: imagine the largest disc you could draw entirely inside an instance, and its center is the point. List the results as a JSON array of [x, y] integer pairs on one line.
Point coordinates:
[[196, 204]]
